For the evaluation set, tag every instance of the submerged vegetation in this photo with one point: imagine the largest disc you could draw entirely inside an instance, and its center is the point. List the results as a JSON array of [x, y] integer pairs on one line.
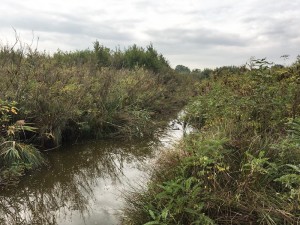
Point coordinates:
[[242, 165], [46, 100]]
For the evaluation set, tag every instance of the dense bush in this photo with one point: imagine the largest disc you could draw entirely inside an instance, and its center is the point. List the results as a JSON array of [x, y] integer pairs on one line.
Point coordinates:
[[83, 94], [85, 90], [242, 166]]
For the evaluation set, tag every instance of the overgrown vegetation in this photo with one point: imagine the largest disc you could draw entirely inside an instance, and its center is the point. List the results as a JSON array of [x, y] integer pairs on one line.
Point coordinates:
[[15, 155], [82, 94], [242, 166]]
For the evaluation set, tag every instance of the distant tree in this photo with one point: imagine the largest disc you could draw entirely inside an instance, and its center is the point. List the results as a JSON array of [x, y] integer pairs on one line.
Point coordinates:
[[73, 58], [154, 61], [118, 60], [206, 73], [136, 56], [196, 71], [202, 74], [182, 69], [102, 54]]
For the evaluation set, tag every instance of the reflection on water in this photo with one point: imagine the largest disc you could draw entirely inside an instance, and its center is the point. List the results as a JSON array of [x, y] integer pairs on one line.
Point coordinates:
[[83, 183]]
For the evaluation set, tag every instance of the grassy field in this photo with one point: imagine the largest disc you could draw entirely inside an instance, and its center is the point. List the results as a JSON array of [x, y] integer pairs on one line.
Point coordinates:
[[242, 165]]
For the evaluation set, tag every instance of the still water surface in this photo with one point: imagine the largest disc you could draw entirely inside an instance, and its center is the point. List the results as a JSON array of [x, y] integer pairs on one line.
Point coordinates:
[[84, 182]]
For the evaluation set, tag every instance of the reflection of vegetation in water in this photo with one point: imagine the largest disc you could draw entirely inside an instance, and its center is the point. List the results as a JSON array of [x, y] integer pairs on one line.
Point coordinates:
[[68, 185], [41, 205]]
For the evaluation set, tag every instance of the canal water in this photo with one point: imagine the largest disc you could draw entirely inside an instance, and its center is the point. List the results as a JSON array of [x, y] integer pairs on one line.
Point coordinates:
[[83, 183]]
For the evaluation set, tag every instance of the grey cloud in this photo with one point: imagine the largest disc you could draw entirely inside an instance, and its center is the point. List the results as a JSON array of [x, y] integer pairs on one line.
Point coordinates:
[[144, 4], [283, 30], [66, 24], [275, 29], [160, 7], [270, 27], [214, 12], [201, 47], [200, 37]]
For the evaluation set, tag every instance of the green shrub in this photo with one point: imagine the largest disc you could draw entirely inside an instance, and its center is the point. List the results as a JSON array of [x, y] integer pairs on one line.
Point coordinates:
[[15, 156]]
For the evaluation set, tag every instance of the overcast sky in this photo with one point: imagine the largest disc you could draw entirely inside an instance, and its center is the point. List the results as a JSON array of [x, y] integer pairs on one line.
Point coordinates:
[[195, 33]]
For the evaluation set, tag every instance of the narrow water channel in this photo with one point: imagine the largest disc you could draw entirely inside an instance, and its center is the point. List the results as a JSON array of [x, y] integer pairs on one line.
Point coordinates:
[[84, 182]]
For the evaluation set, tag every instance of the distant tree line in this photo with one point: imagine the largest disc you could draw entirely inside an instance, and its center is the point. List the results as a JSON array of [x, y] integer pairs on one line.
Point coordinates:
[[129, 58], [207, 72]]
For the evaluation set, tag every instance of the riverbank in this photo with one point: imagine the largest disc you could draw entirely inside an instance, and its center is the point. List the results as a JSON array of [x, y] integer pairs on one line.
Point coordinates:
[[242, 165], [83, 183], [47, 100]]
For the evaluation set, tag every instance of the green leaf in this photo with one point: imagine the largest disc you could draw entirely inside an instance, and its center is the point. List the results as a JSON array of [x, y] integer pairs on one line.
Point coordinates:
[[164, 214], [297, 168], [152, 223], [152, 214]]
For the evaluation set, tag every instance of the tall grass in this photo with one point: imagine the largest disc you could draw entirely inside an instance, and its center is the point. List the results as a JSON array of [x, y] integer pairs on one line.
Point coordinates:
[[84, 94], [72, 92], [242, 166]]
